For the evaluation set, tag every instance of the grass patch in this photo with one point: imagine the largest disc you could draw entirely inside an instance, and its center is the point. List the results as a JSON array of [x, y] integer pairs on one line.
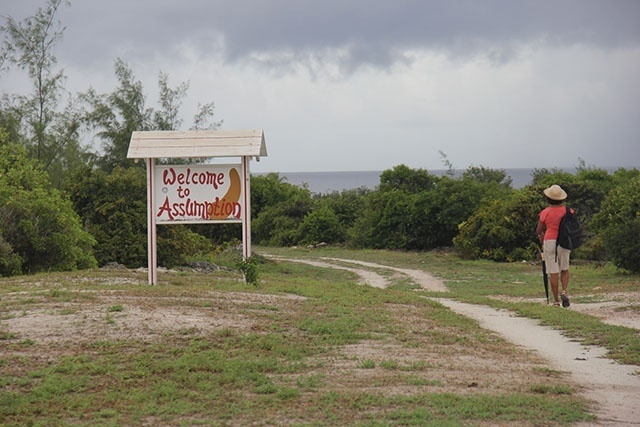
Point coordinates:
[[286, 350]]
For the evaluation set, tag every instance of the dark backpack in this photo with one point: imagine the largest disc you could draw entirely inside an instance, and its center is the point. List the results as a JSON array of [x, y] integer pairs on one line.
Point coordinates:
[[570, 231]]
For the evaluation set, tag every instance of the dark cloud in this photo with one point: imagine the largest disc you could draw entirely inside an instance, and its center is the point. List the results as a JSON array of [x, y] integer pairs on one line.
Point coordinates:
[[369, 32]]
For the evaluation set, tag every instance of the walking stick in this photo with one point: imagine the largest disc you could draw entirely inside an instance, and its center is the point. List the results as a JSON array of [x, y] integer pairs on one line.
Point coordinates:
[[545, 279]]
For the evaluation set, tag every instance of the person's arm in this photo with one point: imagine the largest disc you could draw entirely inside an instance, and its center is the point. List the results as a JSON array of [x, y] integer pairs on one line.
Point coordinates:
[[540, 228]]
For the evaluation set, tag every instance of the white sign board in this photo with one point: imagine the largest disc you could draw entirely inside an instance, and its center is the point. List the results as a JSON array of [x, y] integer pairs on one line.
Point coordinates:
[[198, 193]]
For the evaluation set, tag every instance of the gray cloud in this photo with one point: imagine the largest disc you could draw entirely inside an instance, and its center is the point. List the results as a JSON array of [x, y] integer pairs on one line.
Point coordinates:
[[501, 83], [368, 32]]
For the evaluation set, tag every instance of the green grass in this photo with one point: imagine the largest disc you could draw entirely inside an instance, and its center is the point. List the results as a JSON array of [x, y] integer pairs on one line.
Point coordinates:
[[293, 360], [477, 281]]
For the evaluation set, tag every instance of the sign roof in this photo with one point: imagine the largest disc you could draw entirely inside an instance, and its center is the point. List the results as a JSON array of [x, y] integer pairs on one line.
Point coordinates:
[[197, 143]]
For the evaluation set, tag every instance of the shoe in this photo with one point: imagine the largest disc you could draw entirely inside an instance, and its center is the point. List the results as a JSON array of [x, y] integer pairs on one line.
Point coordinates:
[[565, 300], [556, 304]]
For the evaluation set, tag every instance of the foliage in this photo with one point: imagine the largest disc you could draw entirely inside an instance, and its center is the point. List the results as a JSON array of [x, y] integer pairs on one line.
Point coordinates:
[[278, 209], [486, 175], [48, 131], [619, 225], [270, 190], [416, 210], [178, 244], [403, 178], [321, 225], [502, 229], [249, 268], [384, 221], [348, 205], [117, 114], [39, 229], [114, 210]]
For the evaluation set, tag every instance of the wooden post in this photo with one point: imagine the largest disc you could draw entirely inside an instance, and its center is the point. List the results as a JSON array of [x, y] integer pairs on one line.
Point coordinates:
[[246, 205], [151, 223]]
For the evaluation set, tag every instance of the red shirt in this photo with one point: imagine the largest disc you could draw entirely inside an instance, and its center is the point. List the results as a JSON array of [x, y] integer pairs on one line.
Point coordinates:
[[551, 217]]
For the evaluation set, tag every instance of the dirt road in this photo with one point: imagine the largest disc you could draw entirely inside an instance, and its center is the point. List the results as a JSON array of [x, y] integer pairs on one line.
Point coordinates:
[[614, 388]]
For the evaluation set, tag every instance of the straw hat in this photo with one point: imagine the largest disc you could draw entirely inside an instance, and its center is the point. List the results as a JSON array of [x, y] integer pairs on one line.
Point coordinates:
[[555, 192]]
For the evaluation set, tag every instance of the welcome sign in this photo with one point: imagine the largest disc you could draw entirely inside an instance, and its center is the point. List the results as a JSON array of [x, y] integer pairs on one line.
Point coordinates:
[[213, 193], [198, 193]]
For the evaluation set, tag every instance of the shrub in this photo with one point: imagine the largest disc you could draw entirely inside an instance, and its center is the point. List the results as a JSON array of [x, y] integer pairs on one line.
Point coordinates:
[[113, 208], [321, 226], [279, 215], [619, 225], [39, 230], [503, 229]]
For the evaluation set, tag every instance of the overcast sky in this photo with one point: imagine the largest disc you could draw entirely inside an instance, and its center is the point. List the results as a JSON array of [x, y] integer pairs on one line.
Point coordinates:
[[370, 84]]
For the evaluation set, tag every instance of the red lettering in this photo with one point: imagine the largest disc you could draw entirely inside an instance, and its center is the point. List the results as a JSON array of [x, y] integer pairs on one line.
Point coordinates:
[[169, 176], [165, 208]]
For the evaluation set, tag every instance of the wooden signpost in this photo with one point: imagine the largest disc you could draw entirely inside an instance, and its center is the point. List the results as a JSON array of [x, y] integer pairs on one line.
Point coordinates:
[[197, 193]]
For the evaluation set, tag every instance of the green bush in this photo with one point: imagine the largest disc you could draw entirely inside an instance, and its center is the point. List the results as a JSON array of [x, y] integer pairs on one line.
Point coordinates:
[[113, 208], [622, 244], [418, 211], [278, 209], [503, 229], [249, 268], [178, 245], [39, 230], [619, 225], [321, 226]]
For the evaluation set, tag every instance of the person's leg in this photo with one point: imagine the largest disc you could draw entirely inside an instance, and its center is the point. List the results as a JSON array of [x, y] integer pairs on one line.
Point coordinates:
[[564, 278], [553, 280], [553, 269], [563, 261]]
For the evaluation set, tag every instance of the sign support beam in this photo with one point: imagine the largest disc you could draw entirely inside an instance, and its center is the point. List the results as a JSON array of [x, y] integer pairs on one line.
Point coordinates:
[[151, 224]]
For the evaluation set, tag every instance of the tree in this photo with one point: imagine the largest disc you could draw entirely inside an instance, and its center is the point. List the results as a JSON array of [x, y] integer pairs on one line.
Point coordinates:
[[113, 209], [116, 115], [485, 175], [39, 230], [416, 210], [401, 177], [50, 134], [348, 205]]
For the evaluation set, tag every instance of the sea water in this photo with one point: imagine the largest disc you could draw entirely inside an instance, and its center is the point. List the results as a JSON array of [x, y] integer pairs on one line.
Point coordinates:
[[327, 182]]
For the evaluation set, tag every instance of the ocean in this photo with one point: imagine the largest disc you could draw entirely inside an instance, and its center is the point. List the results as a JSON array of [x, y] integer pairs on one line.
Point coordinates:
[[327, 182]]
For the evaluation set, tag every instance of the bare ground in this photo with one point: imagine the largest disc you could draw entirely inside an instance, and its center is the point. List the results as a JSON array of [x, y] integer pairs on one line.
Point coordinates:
[[613, 388]]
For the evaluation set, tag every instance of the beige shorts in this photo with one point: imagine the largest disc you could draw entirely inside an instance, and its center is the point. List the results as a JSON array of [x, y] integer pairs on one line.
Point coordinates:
[[562, 263]]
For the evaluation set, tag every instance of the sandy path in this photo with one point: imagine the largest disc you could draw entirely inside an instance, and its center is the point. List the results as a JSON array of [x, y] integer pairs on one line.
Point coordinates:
[[614, 388], [367, 277], [424, 279]]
